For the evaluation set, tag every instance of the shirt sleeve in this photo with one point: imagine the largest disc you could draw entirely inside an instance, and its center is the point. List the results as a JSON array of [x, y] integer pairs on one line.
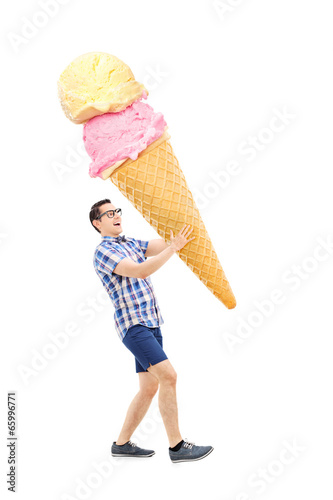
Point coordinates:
[[143, 244], [105, 260]]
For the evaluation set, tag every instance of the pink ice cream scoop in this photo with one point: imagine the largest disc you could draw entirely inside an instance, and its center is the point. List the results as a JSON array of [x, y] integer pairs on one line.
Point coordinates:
[[112, 137]]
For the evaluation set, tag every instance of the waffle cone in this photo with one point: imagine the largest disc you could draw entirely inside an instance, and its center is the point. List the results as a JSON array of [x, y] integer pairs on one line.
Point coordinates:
[[155, 184]]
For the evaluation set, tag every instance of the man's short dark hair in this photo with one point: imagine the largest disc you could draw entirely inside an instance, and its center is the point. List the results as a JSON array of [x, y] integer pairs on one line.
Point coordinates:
[[94, 211]]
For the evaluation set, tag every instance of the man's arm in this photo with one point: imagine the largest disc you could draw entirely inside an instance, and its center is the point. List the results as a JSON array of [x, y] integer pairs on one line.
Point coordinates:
[[155, 247], [127, 267]]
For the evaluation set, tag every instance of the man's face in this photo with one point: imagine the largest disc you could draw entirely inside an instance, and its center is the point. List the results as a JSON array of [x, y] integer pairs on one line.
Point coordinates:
[[107, 226]]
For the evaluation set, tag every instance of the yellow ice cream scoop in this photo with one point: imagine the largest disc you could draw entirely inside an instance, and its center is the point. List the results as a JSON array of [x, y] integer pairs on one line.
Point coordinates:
[[97, 83]]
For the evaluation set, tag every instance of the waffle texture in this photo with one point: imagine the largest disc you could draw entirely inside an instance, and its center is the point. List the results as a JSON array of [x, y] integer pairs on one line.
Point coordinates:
[[155, 184]]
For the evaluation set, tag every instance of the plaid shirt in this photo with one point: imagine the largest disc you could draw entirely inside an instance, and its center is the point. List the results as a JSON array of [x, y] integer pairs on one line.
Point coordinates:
[[133, 298]]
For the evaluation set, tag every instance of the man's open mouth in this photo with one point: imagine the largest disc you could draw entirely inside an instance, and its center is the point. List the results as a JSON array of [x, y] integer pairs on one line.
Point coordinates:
[[116, 224]]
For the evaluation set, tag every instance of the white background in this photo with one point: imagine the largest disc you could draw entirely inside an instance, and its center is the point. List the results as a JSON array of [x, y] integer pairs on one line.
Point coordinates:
[[217, 72]]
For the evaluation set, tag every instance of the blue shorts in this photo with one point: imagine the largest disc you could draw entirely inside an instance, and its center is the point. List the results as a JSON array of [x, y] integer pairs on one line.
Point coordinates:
[[146, 344]]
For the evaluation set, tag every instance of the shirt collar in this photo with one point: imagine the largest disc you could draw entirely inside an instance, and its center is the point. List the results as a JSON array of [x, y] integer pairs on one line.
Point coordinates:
[[112, 239]]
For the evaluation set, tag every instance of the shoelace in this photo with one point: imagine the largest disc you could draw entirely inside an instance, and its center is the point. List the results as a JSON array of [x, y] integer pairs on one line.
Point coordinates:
[[187, 444], [131, 443]]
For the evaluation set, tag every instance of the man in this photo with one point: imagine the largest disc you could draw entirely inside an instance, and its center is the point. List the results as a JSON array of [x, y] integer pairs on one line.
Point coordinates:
[[121, 264]]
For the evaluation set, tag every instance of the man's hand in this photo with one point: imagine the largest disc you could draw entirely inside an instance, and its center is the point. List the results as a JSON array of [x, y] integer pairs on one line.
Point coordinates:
[[182, 238]]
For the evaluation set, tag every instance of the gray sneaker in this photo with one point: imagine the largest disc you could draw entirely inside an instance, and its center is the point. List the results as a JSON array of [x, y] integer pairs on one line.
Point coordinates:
[[130, 449], [188, 452]]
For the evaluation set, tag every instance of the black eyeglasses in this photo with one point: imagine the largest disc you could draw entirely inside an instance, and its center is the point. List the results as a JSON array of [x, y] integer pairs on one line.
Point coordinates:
[[110, 213]]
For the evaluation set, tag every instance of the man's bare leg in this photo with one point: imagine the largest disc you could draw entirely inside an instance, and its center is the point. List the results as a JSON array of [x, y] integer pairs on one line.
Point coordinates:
[[139, 406], [167, 399]]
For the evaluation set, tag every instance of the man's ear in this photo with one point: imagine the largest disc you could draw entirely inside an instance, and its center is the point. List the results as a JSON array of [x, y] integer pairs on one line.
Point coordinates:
[[96, 223]]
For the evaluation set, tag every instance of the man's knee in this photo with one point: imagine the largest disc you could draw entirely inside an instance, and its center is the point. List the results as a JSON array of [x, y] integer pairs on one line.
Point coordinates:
[[164, 371], [169, 377], [150, 390], [173, 377]]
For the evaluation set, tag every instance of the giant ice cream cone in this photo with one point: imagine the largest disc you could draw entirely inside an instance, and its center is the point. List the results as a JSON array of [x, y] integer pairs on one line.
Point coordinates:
[[129, 144], [155, 184]]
